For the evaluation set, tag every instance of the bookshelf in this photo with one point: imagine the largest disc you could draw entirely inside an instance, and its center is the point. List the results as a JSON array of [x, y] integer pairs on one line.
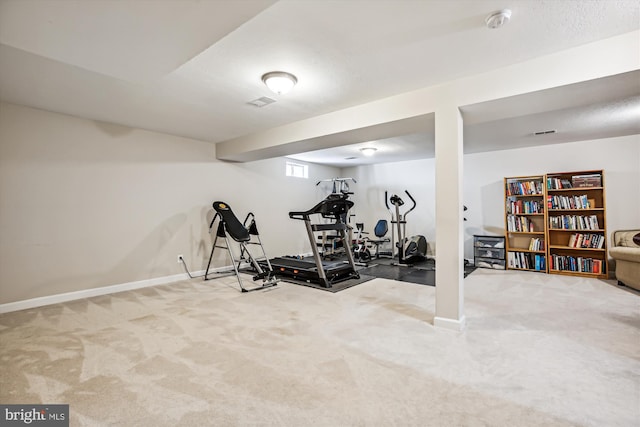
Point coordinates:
[[556, 223], [576, 219], [525, 222]]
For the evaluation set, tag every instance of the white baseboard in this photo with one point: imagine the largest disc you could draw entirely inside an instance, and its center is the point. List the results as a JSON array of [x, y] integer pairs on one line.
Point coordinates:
[[451, 324], [104, 290]]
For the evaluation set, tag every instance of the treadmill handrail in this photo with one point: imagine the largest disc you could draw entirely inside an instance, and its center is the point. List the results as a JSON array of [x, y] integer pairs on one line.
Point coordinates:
[[299, 215]]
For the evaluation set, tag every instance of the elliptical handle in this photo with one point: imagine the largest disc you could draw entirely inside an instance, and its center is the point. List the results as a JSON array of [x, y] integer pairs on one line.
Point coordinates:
[[386, 203], [413, 200]]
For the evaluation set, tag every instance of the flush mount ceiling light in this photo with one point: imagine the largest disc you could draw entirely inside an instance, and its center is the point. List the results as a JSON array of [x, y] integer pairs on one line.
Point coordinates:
[[368, 151], [279, 81], [498, 19]]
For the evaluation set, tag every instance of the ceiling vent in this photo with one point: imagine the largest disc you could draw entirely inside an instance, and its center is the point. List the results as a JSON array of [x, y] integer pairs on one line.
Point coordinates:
[[350, 158], [261, 102], [544, 132]]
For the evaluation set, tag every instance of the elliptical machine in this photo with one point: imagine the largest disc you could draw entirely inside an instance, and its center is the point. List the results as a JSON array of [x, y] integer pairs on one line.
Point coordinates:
[[412, 249]]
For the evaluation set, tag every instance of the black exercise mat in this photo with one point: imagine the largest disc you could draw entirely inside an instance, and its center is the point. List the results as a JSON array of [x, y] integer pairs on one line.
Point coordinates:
[[422, 264], [402, 274], [421, 276], [383, 271], [468, 269], [336, 287]]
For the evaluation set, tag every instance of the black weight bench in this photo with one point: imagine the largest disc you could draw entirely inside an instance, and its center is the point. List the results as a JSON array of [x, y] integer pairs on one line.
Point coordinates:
[[230, 226]]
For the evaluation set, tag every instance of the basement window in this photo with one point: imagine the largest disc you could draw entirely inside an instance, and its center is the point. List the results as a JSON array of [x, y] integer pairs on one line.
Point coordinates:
[[297, 170]]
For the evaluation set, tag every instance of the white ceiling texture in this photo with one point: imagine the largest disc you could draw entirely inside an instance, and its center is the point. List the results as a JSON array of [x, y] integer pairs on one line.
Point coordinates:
[[191, 67]]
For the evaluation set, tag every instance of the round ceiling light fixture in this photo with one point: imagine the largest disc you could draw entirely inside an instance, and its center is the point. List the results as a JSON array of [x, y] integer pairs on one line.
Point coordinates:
[[368, 151], [279, 82], [498, 19]]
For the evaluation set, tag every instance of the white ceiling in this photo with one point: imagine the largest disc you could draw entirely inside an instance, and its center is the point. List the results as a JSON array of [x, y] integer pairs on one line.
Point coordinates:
[[190, 67]]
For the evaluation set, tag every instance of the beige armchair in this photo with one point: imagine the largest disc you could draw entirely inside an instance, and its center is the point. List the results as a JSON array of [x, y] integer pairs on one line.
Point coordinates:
[[625, 251]]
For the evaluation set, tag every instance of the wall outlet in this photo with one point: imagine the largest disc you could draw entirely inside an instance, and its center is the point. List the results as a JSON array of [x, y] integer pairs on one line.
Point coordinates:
[[180, 258]]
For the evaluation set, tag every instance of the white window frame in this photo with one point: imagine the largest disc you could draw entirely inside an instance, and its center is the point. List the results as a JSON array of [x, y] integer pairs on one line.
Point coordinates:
[[297, 170]]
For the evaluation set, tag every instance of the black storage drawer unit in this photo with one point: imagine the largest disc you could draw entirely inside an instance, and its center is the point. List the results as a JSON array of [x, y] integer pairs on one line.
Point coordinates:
[[488, 252]]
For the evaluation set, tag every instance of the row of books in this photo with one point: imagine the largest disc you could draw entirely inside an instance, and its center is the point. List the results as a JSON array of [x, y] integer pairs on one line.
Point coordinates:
[[558, 183], [524, 188], [536, 244], [568, 202], [526, 207], [588, 240], [526, 261], [577, 181], [574, 222], [519, 224], [577, 264]]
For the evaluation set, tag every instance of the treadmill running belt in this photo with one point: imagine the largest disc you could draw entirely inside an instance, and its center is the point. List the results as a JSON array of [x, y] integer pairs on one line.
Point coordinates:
[[306, 270], [307, 265], [292, 263]]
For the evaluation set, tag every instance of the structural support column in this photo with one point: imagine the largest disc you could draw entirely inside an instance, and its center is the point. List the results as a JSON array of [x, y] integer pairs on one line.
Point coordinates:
[[449, 219]]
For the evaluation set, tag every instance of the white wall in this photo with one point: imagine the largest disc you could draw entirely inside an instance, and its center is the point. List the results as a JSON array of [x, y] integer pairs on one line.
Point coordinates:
[[86, 204], [483, 180], [416, 176]]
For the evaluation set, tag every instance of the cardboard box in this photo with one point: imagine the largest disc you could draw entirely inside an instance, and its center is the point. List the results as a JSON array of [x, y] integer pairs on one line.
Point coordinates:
[[584, 181]]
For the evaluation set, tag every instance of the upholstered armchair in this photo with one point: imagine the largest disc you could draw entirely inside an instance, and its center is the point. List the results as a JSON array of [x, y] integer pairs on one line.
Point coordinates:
[[625, 251]]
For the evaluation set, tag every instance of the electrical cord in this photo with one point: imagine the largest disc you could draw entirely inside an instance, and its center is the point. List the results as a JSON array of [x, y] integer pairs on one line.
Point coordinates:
[[184, 264]]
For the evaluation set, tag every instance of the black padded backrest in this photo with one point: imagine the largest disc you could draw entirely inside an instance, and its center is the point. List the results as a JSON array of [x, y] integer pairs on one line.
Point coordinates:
[[231, 223], [381, 228]]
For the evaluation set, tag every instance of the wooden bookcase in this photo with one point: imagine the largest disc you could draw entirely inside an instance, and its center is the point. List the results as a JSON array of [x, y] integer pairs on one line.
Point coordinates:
[[576, 223], [556, 223], [525, 200]]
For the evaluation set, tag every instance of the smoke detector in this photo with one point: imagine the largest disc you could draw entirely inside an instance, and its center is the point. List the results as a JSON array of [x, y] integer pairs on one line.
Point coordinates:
[[498, 19]]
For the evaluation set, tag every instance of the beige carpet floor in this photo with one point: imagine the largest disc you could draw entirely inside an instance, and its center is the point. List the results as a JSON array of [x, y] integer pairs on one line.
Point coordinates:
[[539, 350]]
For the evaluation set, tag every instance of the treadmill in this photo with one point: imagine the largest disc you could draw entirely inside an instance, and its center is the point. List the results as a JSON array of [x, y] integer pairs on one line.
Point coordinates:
[[324, 273]]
